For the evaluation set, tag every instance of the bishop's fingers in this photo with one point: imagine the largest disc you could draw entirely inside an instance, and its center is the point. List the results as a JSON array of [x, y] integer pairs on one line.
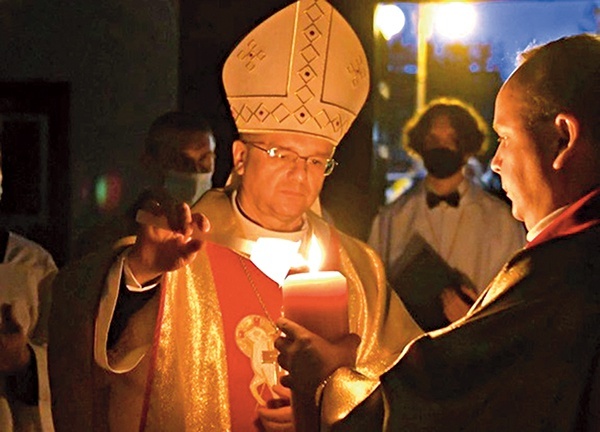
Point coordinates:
[[199, 224]]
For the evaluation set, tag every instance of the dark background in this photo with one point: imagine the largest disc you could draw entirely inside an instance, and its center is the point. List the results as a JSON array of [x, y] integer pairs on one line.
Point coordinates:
[[100, 72], [120, 64]]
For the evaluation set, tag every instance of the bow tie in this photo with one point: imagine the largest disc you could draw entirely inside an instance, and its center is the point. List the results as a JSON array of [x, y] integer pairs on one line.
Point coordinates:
[[434, 200]]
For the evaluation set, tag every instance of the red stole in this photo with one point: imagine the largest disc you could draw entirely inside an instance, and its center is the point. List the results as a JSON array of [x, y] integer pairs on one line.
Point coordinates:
[[238, 301], [579, 216]]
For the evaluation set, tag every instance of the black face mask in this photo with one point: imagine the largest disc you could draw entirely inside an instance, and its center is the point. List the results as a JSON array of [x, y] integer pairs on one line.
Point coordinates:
[[442, 162]]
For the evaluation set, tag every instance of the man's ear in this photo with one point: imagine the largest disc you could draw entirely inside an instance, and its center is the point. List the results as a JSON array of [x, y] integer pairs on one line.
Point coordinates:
[[240, 152], [568, 130]]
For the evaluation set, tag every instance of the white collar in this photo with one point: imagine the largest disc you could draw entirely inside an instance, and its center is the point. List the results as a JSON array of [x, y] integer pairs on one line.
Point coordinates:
[[273, 252], [543, 223]]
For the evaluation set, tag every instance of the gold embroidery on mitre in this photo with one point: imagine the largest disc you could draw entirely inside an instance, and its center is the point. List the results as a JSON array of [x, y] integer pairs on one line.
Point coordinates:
[[251, 54], [303, 70]]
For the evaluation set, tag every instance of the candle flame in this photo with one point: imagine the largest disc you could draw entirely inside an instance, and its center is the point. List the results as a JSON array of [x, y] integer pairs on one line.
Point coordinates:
[[315, 255]]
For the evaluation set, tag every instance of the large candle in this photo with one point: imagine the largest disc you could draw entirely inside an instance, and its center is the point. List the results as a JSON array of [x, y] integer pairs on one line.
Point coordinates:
[[317, 301]]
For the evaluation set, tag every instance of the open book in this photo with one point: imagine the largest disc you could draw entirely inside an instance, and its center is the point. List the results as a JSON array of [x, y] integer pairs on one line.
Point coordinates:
[[419, 276]]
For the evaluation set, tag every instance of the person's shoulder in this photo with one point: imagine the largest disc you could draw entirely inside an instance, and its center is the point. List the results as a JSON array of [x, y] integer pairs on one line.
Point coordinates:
[[103, 234], [22, 250], [23, 242], [90, 269], [587, 239], [216, 205], [575, 257], [415, 190], [215, 197], [358, 250]]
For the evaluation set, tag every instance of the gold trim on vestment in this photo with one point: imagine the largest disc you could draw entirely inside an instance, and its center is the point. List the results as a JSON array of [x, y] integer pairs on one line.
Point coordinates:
[[379, 318], [190, 381]]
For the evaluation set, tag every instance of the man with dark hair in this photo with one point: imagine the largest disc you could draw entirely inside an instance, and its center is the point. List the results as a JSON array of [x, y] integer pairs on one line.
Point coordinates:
[[445, 238], [180, 153], [526, 357]]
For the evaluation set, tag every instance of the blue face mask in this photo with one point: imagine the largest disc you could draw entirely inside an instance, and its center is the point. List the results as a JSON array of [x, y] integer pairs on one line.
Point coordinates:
[[187, 187]]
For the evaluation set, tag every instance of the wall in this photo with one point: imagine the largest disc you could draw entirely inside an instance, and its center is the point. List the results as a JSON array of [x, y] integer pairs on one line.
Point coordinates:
[[120, 58]]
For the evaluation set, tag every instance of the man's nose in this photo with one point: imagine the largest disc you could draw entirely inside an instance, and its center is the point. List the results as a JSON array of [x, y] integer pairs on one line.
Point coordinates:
[[299, 166], [495, 162]]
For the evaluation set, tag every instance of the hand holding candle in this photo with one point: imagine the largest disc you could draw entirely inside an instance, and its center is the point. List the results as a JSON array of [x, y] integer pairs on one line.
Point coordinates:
[[317, 300]]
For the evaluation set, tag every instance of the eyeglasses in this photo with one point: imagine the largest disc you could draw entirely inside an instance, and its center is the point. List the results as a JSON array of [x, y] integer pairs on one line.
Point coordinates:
[[288, 157]]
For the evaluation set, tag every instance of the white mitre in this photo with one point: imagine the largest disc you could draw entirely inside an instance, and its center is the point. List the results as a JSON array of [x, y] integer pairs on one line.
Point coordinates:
[[303, 70]]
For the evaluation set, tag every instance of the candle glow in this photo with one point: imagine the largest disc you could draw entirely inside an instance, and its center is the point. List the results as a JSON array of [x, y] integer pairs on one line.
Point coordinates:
[[317, 300], [315, 256]]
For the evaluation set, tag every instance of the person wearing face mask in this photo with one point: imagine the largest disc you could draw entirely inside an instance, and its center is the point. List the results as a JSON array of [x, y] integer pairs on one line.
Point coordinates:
[[444, 239], [179, 158], [180, 151]]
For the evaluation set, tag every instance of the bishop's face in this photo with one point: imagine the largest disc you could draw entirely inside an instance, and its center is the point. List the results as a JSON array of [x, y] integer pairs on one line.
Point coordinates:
[[276, 192]]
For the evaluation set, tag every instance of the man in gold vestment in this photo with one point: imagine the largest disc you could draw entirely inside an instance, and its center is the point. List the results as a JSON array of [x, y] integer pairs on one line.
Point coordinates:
[[176, 331]]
